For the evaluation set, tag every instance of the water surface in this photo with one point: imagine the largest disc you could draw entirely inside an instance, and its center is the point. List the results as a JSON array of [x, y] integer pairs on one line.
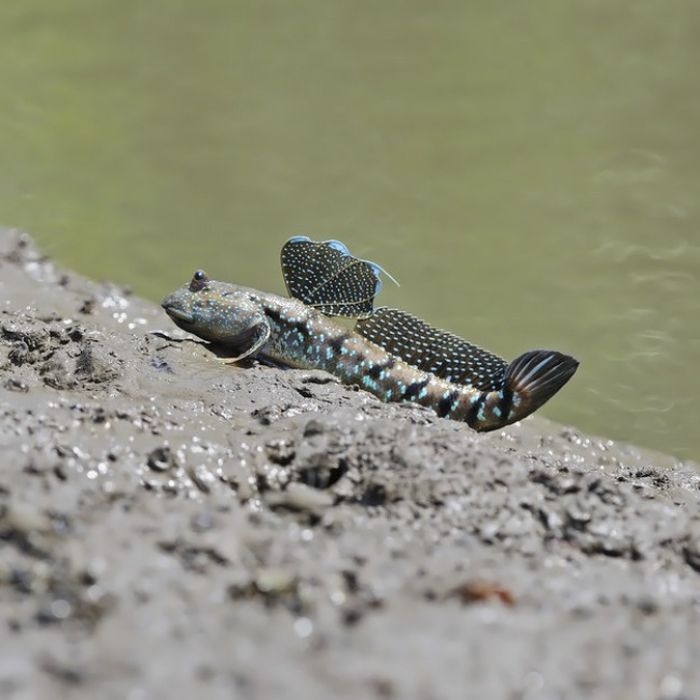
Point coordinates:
[[529, 172]]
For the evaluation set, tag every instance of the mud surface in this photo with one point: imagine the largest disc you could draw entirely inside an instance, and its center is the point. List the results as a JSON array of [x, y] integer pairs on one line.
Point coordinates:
[[173, 527]]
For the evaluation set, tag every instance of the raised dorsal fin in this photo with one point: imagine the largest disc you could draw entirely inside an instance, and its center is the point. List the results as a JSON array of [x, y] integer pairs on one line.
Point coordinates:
[[432, 350], [326, 276]]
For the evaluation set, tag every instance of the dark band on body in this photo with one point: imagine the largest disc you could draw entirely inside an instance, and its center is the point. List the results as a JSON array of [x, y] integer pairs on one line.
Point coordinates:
[[474, 409], [506, 402], [375, 370], [278, 317], [445, 403], [414, 388], [336, 342]]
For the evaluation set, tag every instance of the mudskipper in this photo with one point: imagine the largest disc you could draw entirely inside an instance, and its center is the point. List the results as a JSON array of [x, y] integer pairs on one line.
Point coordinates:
[[390, 353]]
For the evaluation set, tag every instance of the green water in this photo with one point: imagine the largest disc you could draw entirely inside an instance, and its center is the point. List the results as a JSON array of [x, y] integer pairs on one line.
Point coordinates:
[[530, 172]]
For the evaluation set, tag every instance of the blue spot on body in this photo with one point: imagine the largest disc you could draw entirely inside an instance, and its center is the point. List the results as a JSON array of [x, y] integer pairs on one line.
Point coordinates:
[[369, 382]]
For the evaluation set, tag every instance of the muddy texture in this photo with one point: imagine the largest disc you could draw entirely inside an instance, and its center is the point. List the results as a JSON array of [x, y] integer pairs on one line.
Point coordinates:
[[173, 527]]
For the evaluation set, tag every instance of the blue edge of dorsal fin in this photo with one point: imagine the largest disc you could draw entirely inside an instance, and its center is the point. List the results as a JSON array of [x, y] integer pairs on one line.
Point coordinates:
[[344, 250]]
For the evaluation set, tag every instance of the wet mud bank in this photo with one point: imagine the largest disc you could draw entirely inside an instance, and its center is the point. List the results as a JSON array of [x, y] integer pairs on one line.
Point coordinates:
[[174, 527]]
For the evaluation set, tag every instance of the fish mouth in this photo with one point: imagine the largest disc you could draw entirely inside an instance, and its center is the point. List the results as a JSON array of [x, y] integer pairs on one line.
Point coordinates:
[[176, 312]]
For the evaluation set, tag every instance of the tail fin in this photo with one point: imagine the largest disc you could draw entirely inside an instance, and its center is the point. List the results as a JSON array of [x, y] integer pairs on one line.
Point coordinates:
[[534, 377]]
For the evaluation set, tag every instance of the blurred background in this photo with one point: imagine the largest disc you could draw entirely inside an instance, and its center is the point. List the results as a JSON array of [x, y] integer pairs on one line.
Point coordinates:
[[529, 172]]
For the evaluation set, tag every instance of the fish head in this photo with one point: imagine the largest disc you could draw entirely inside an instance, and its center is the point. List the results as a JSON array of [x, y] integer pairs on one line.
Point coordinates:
[[211, 310]]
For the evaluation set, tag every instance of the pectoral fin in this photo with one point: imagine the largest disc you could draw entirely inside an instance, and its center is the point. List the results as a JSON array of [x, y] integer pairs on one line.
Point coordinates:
[[249, 342]]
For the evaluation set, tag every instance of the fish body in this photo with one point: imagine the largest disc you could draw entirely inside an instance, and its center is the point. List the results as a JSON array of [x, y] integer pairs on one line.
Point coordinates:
[[293, 332]]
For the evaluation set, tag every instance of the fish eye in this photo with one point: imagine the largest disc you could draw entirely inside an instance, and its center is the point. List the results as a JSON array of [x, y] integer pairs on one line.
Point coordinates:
[[199, 281]]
